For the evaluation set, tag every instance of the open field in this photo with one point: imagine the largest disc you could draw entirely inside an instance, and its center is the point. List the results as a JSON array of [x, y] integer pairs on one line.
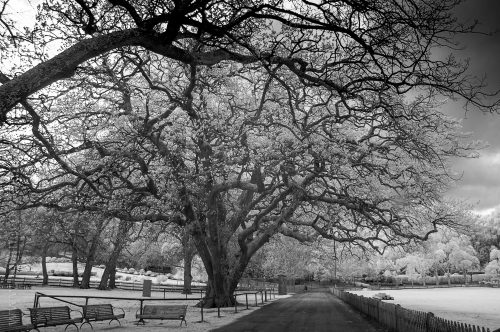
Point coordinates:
[[23, 299], [472, 305]]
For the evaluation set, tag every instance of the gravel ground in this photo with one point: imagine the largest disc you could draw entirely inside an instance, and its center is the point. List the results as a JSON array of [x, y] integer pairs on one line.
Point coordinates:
[[23, 299]]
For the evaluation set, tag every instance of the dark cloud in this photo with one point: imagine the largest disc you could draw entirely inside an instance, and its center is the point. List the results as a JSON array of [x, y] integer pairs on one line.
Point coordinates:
[[480, 183]]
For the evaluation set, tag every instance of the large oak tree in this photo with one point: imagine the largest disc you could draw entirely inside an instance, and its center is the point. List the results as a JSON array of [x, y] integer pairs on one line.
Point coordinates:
[[239, 120]]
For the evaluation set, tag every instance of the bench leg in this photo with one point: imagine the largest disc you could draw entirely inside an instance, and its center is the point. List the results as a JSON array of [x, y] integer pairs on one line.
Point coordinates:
[[87, 322], [77, 329], [116, 320], [184, 320]]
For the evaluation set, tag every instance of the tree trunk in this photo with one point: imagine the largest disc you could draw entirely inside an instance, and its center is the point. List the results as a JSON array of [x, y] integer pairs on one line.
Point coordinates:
[[119, 243], [188, 252], [45, 280], [112, 277], [7, 267], [188, 278], [449, 277], [87, 272], [223, 277], [108, 279], [74, 261], [437, 276]]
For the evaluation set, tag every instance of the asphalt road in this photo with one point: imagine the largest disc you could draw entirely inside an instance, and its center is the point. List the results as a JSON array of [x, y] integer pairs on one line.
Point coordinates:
[[305, 312]]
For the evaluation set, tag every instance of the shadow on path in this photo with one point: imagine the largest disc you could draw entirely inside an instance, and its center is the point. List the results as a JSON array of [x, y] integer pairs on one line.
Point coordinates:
[[305, 312]]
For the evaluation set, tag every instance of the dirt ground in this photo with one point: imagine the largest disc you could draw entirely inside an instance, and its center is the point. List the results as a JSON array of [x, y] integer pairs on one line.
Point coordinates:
[[23, 299], [471, 305]]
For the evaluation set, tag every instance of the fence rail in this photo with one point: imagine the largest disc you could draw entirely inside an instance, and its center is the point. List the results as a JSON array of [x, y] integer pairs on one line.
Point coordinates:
[[399, 319], [68, 282]]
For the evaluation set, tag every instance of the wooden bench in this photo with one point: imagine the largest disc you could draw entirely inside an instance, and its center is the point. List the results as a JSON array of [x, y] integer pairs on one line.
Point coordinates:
[[8, 286], [12, 321], [23, 285], [162, 312], [100, 312], [53, 316]]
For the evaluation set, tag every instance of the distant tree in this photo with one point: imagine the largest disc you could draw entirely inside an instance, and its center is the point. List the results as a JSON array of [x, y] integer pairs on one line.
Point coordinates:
[[457, 253], [493, 267], [486, 233], [15, 233]]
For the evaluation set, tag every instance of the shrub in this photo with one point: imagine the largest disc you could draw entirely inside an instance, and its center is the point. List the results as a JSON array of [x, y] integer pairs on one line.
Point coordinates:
[[162, 279]]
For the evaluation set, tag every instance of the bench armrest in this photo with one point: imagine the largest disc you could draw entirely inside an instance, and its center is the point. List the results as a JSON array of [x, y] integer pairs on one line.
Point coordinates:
[[81, 314], [123, 311]]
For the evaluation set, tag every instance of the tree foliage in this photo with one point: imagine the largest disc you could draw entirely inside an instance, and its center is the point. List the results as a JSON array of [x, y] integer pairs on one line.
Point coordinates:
[[239, 120]]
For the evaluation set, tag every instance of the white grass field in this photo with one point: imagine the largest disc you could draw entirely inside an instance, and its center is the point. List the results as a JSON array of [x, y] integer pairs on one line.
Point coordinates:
[[471, 305], [23, 299]]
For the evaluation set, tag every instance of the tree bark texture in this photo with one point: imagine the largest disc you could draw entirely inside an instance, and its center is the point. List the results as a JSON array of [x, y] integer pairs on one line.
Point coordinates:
[[188, 252], [74, 261], [45, 275], [87, 272]]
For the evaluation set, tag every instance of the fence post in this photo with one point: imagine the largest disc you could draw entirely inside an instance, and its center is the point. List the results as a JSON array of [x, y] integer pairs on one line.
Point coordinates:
[[428, 318], [246, 299], [396, 317], [378, 311]]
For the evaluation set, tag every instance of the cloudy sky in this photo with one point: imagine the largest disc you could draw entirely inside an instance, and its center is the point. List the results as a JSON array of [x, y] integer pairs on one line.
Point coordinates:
[[480, 183]]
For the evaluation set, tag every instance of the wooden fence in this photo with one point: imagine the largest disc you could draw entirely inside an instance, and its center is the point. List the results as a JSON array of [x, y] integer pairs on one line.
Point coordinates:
[[399, 319], [264, 288], [126, 285]]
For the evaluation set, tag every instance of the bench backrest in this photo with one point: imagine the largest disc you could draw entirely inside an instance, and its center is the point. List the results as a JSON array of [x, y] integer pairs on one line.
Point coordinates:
[[167, 311], [10, 318], [41, 315], [92, 311]]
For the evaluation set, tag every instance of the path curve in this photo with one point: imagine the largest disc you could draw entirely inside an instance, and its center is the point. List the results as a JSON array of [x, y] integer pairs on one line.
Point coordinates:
[[305, 312]]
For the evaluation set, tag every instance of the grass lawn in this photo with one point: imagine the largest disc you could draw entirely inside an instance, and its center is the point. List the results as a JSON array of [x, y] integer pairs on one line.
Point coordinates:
[[471, 305], [23, 299]]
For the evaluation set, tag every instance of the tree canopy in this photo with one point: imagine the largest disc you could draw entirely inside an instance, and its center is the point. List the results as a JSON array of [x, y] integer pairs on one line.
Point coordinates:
[[239, 120]]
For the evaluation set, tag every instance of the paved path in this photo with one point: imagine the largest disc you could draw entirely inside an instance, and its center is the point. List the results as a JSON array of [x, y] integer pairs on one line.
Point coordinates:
[[305, 312]]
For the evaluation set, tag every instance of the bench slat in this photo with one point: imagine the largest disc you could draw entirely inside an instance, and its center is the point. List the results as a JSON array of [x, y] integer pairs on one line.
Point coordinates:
[[163, 312], [52, 316], [12, 320]]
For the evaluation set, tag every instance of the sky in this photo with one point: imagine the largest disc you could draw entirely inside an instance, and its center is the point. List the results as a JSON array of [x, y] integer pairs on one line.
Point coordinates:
[[480, 178], [480, 181]]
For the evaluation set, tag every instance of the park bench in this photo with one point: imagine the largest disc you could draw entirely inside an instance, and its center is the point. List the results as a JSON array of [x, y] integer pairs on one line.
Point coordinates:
[[53, 316], [162, 312], [7, 285], [100, 312], [12, 321], [23, 285]]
